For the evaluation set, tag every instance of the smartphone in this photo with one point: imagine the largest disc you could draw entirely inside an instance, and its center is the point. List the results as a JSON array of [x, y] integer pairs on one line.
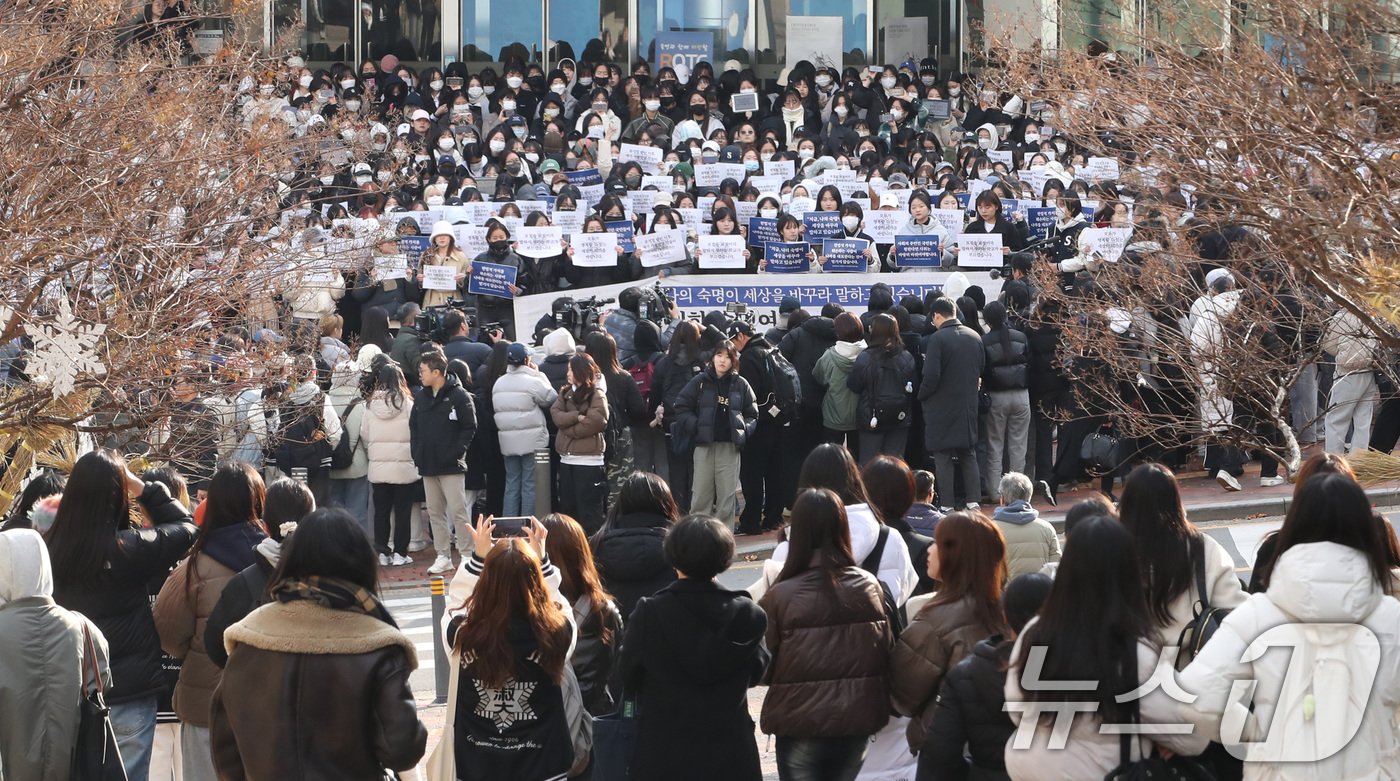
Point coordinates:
[[511, 526], [886, 118]]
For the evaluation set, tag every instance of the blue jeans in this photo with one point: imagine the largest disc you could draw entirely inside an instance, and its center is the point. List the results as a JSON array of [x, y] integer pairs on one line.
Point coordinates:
[[520, 485], [134, 723], [821, 759], [353, 495]]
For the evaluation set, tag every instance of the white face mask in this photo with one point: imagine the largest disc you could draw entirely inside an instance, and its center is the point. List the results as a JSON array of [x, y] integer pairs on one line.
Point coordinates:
[[1062, 213], [1032, 138], [1061, 146], [435, 84], [514, 82], [490, 89], [586, 81], [328, 180], [445, 144], [304, 81], [532, 157], [897, 115], [888, 82], [400, 154], [352, 105], [927, 80], [559, 89], [652, 105], [986, 143], [768, 213], [851, 222], [362, 180], [421, 158], [384, 176], [497, 146], [953, 92], [434, 200], [806, 153], [660, 227], [475, 92], [507, 105], [841, 111], [549, 114], [347, 83], [823, 81]]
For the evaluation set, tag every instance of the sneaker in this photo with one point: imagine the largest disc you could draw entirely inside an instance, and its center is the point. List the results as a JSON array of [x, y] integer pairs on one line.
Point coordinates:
[[417, 545], [440, 565], [399, 560], [1227, 481], [1045, 490], [1270, 482], [972, 506], [383, 560]]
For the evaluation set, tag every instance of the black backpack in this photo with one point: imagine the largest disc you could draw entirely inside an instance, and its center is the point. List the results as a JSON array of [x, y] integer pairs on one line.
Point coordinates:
[[893, 612], [343, 455], [890, 397], [784, 401]]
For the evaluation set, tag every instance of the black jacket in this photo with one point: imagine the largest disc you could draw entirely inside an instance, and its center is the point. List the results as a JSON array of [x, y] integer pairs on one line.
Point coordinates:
[[241, 596], [802, 347], [474, 354], [753, 367], [630, 560], [441, 428], [387, 294], [1011, 236], [1046, 377], [868, 379], [697, 405], [593, 660], [670, 379], [118, 601], [970, 714], [690, 655], [1007, 367], [626, 407]]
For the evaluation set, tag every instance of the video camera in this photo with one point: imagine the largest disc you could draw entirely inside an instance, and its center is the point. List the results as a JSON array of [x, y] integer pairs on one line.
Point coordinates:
[[655, 305], [579, 315], [429, 322]]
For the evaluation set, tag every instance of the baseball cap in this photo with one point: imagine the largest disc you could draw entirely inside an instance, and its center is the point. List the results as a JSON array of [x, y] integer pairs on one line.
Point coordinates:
[[889, 200], [421, 114], [738, 327], [516, 354], [549, 166]]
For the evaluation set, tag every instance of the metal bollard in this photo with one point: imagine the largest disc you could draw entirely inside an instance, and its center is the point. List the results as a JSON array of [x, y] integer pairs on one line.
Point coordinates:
[[438, 587], [544, 486]]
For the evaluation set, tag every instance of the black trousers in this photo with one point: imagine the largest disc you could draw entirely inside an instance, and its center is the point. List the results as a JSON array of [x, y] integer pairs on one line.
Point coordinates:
[[583, 494], [399, 498], [761, 478]]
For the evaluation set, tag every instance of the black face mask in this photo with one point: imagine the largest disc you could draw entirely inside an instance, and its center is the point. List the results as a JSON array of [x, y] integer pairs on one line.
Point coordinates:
[[698, 109], [513, 169], [633, 182], [500, 248]]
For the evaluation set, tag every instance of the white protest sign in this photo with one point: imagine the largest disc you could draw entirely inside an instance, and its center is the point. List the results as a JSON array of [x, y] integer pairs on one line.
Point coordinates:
[[1107, 242], [391, 266], [648, 157], [540, 241], [1101, 169], [767, 184], [643, 201], [693, 218], [952, 220], [980, 250], [976, 187], [594, 250], [661, 247], [882, 225], [1000, 156], [570, 221], [471, 238], [478, 212], [745, 211], [722, 252], [661, 183], [814, 38], [711, 175], [439, 278], [836, 175], [787, 169]]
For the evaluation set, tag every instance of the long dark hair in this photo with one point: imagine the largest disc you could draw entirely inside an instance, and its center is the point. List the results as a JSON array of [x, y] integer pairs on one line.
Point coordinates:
[[512, 587], [390, 381], [45, 484], [585, 373], [644, 492], [1092, 622], [568, 550], [94, 508], [329, 543], [831, 466], [995, 312], [819, 535], [1151, 510], [971, 555], [236, 495], [603, 350], [890, 485], [684, 349], [374, 328], [1330, 508], [495, 366], [287, 501], [884, 336]]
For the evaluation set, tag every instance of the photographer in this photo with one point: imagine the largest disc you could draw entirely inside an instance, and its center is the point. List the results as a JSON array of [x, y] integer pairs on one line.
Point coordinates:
[[624, 323], [458, 343]]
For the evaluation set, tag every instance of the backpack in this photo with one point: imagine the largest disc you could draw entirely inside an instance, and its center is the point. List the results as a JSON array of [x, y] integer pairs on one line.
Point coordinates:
[[642, 373], [344, 455], [303, 441], [1207, 619], [893, 612], [784, 400], [890, 397]]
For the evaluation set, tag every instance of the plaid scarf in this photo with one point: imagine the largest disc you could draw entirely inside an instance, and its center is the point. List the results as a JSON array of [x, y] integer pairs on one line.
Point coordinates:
[[333, 593]]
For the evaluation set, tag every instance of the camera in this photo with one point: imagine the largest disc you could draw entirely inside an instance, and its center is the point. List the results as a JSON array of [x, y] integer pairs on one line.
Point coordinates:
[[429, 320], [579, 316], [738, 311], [655, 305]]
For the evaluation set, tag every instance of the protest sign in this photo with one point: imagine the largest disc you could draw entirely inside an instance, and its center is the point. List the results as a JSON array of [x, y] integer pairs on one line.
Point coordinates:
[[918, 252], [643, 201], [980, 250], [763, 231], [1040, 220], [661, 182], [786, 169], [412, 248], [492, 279], [594, 250], [540, 241], [693, 218], [722, 252], [844, 255], [1000, 156], [584, 177], [661, 247], [800, 205], [711, 175], [648, 157], [528, 207], [767, 184], [1101, 169], [471, 239], [1107, 242], [786, 258], [952, 220], [570, 221], [624, 230], [745, 211], [881, 225], [441, 277], [391, 266], [821, 225]]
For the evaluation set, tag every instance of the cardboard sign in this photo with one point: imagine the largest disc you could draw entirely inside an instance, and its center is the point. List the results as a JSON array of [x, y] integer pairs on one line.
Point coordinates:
[[980, 250], [787, 169], [661, 247], [1107, 242], [540, 241], [952, 220], [786, 258], [918, 252], [648, 157], [763, 231], [722, 252], [844, 255], [882, 225], [594, 250], [492, 279], [442, 277], [821, 225], [624, 230]]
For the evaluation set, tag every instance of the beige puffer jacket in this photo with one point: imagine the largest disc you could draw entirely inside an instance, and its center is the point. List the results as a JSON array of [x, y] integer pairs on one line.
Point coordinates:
[[384, 429]]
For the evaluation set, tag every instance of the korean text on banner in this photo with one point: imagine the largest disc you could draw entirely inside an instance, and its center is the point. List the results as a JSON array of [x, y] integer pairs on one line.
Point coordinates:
[[441, 277], [980, 250], [544, 241], [492, 279], [624, 230], [918, 252], [661, 247], [594, 250], [845, 255]]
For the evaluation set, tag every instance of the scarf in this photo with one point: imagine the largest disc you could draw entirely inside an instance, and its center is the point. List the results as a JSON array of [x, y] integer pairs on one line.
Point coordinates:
[[333, 593]]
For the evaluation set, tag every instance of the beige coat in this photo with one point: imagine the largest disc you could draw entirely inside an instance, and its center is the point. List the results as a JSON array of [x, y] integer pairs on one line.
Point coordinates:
[[182, 612], [457, 261]]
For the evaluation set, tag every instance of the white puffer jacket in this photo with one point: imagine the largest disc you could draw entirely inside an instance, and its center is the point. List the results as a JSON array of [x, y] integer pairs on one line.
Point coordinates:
[[1222, 587], [520, 398], [384, 430], [1313, 671], [895, 570]]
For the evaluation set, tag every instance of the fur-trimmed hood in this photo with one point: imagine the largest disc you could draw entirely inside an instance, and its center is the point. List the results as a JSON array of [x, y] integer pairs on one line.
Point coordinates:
[[309, 628]]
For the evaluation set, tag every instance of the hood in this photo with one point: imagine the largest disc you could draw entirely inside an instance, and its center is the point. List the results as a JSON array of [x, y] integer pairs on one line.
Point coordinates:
[[632, 554], [992, 129], [380, 407], [24, 566], [270, 551], [955, 285], [823, 328], [305, 393], [995, 649], [881, 297], [720, 640], [1323, 582], [1018, 512], [232, 546], [345, 375], [559, 342], [848, 351]]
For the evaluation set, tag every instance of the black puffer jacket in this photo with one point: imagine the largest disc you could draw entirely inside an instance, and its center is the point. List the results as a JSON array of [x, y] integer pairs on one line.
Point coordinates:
[[630, 560], [241, 596], [671, 377], [1046, 377], [697, 408], [117, 601], [1007, 364], [803, 347], [970, 714]]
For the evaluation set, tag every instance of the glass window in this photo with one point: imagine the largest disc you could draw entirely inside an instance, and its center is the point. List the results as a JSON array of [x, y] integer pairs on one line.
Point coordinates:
[[727, 20], [944, 28], [771, 33], [407, 29], [588, 30], [498, 30]]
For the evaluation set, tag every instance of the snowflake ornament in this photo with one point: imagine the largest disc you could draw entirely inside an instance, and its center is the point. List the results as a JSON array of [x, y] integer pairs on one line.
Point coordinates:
[[64, 348]]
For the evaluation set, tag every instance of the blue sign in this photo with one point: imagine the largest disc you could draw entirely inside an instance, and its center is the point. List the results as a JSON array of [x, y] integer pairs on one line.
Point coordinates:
[[963, 198], [683, 51], [813, 291], [1040, 219], [413, 247], [821, 225], [492, 279], [845, 255], [584, 177], [786, 257], [1088, 212], [763, 230], [625, 230], [918, 251]]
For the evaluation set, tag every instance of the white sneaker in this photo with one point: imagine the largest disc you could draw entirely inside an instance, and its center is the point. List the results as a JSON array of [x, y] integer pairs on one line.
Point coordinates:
[[400, 560], [1228, 481], [383, 560], [972, 506], [440, 565], [1270, 482], [417, 545]]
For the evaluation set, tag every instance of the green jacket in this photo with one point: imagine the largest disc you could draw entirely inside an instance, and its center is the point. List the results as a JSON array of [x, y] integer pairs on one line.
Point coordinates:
[[839, 404], [407, 346]]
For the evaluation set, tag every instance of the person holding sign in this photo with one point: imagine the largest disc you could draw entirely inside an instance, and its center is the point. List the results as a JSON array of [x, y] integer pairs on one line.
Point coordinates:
[[592, 276], [991, 221], [443, 252], [666, 221], [852, 225], [541, 274], [493, 309], [921, 222], [724, 224], [790, 231]]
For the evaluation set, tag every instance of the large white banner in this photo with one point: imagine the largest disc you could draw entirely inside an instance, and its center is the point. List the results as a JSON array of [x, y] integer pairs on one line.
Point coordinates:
[[699, 294]]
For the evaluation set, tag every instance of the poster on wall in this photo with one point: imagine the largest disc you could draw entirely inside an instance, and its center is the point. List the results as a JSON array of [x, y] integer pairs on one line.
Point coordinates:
[[906, 38], [683, 50], [814, 38]]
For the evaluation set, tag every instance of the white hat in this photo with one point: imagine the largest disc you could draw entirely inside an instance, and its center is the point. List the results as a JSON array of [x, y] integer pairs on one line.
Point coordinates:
[[366, 356], [402, 129], [1216, 274], [421, 114], [710, 146], [441, 228], [295, 62], [316, 119], [889, 200], [361, 168]]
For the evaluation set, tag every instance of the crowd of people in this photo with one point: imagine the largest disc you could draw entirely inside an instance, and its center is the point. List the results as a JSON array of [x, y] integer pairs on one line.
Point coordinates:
[[355, 417]]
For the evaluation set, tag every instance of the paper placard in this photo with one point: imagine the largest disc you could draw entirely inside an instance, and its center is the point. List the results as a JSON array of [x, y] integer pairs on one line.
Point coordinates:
[[472, 239], [786, 258], [976, 187], [745, 211], [787, 169], [413, 247], [980, 250], [318, 278], [952, 220], [1107, 242], [661, 247], [661, 182], [1040, 219], [624, 230], [918, 252], [881, 225], [492, 279], [845, 255], [848, 188], [1101, 169], [391, 266], [821, 225], [441, 277], [1000, 156], [836, 175], [643, 201], [799, 206], [540, 241], [939, 110], [763, 231], [571, 221], [693, 218], [478, 212], [584, 177], [594, 250], [767, 184], [425, 220], [722, 252], [529, 207], [711, 175], [648, 157]]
